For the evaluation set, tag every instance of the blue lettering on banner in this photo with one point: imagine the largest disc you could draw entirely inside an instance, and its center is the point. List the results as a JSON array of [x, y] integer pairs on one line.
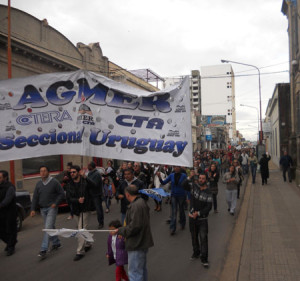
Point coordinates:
[[98, 95], [139, 146], [126, 120], [44, 139], [43, 117]]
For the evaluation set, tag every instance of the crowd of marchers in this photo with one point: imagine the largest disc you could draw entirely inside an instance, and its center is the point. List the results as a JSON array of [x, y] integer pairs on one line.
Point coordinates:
[[194, 189]]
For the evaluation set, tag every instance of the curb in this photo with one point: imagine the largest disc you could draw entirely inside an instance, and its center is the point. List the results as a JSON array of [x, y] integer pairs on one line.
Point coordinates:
[[231, 267]]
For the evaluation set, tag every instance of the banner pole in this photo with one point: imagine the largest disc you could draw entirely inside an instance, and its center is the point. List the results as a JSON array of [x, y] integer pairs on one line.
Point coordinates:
[[9, 74]]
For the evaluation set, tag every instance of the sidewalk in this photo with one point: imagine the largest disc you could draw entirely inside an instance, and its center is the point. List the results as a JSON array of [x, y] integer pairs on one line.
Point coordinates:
[[266, 244]]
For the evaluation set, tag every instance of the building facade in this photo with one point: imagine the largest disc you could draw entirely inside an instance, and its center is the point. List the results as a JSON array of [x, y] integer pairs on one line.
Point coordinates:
[[290, 8], [196, 91], [39, 48], [218, 95], [278, 116]]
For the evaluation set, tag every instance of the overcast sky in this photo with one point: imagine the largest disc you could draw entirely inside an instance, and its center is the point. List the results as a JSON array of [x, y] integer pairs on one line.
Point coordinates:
[[172, 37]]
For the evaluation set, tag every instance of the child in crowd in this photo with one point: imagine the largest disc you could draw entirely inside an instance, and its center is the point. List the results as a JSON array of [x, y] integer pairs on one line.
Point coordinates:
[[116, 252], [107, 192]]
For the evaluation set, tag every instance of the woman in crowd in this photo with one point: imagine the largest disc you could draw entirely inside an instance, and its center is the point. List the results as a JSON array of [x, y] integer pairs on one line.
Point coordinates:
[[253, 166], [213, 178], [225, 164], [231, 179], [264, 167]]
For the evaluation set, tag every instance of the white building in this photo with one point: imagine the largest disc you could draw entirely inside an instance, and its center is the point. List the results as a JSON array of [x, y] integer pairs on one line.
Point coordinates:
[[218, 94]]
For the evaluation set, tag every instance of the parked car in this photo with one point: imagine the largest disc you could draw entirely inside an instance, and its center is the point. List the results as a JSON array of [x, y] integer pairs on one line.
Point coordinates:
[[23, 207]]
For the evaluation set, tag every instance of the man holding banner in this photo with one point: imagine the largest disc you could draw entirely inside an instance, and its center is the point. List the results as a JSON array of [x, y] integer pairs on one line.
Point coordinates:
[[79, 194], [47, 195], [137, 233]]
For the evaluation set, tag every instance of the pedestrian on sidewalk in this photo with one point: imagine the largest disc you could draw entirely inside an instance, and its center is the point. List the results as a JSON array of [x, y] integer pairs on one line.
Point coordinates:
[[213, 179], [200, 206], [48, 193], [8, 213], [116, 252], [137, 234], [264, 167], [253, 166], [231, 179], [286, 163], [79, 193]]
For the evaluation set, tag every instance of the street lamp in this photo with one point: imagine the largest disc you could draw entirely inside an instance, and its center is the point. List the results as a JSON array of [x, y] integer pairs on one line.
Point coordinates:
[[257, 115], [259, 88]]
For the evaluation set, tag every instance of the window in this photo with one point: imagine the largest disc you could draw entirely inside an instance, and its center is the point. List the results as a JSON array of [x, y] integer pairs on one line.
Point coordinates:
[[32, 165]]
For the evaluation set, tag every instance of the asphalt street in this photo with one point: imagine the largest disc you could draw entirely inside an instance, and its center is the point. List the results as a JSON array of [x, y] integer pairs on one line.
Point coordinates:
[[169, 259]]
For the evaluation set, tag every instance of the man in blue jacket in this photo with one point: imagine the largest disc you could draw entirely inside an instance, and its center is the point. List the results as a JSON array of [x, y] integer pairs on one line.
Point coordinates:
[[178, 197]]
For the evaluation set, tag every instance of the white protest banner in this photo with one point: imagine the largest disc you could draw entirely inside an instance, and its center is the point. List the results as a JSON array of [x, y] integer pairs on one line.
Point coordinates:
[[84, 113]]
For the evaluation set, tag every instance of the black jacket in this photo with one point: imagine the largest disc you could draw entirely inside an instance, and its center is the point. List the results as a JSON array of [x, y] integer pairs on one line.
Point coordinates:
[[82, 189], [264, 166], [121, 191], [97, 179], [200, 200], [213, 180], [8, 209], [286, 161]]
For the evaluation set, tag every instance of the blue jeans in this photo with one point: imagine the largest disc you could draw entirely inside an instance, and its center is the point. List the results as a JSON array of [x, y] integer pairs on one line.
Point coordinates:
[[177, 201], [253, 172], [107, 202], [245, 169], [49, 216], [137, 265], [123, 216], [288, 170], [99, 209]]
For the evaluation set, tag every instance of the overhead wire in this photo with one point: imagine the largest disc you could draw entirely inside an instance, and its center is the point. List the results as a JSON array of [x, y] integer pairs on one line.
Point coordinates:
[[119, 69]]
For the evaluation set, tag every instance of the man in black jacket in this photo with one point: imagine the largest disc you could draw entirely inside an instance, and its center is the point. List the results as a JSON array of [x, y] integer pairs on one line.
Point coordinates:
[[200, 206], [97, 192], [286, 162], [80, 196], [8, 213], [129, 179]]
